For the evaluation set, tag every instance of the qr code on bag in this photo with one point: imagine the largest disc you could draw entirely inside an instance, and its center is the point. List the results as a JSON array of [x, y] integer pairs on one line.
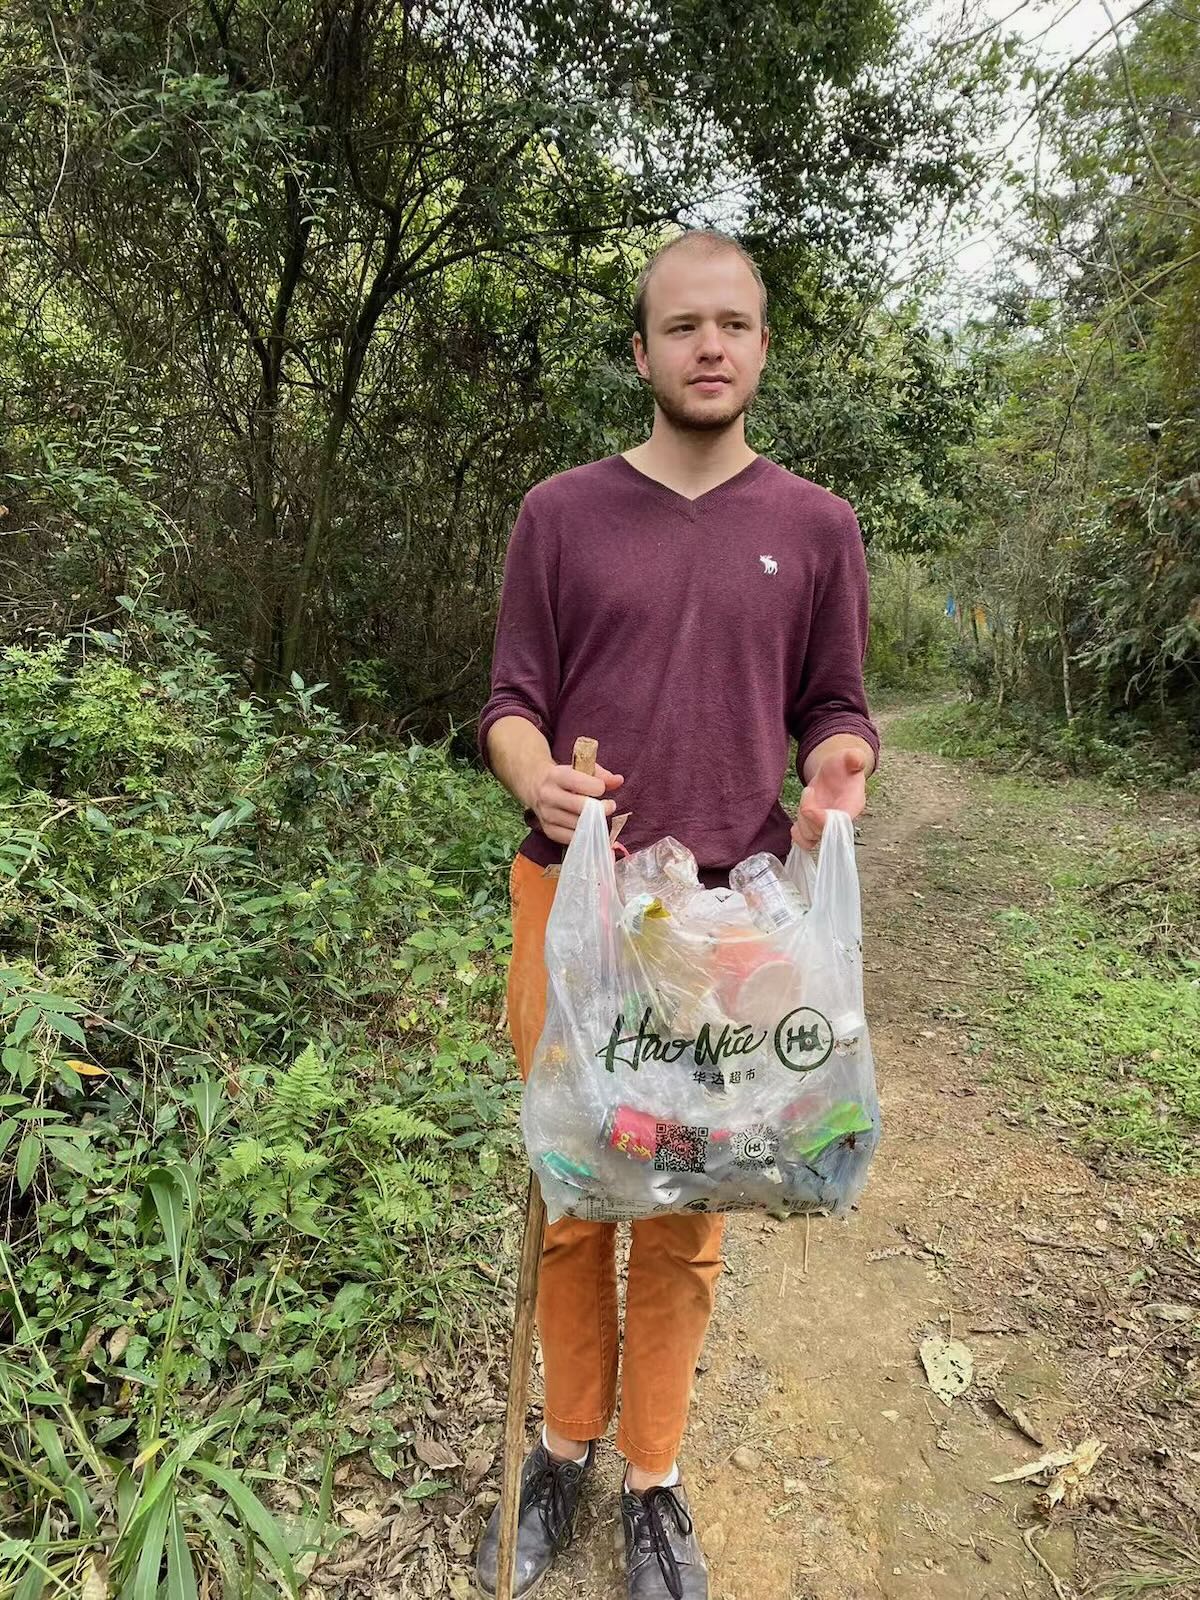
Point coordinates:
[[679, 1149]]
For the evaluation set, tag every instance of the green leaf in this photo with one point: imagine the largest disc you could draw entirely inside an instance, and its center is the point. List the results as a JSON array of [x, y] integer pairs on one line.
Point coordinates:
[[71, 1156], [219, 823], [34, 1580], [29, 1153], [165, 1192], [206, 1098], [7, 1131], [24, 1025], [66, 1027], [181, 1574], [426, 1487], [153, 1537], [254, 1514], [47, 1436]]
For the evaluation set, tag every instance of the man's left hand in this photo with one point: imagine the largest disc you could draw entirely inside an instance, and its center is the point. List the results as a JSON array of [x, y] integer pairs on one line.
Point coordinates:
[[837, 782]]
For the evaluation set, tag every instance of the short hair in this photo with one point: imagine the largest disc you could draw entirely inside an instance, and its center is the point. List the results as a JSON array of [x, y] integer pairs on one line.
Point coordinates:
[[711, 240]]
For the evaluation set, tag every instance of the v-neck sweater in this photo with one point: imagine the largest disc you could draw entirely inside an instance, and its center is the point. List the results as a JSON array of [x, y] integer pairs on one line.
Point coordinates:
[[690, 638]]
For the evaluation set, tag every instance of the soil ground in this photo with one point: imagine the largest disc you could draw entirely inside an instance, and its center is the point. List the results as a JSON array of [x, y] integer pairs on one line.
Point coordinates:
[[820, 1463]]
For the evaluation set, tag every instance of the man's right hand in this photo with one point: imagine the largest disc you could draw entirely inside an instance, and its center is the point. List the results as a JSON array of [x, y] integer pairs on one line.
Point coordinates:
[[559, 793]]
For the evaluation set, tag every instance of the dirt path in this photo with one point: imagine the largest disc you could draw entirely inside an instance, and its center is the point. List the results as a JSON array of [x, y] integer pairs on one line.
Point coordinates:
[[820, 1464]]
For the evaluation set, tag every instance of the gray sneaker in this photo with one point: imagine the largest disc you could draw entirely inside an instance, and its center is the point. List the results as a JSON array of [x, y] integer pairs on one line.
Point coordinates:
[[546, 1523], [663, 1558]]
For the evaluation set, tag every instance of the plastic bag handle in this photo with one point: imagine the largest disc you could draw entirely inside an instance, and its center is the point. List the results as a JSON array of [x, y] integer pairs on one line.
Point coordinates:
[[829, 877], [836, 890]]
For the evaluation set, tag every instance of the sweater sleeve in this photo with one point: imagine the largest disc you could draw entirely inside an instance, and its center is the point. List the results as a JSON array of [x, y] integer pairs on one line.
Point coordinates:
[[831, 697], [525, 659]]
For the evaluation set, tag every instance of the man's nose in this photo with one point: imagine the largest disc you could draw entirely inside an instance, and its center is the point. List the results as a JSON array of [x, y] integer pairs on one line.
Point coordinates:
[[711, 348]]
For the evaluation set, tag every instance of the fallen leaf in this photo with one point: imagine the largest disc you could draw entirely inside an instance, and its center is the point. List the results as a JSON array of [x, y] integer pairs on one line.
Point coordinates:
[[1174, 1312], [1017, 1417], [363, 1393], [119, 1343], [1067, 1484], [434, 1454], [363, 1521], [1034, 1469], [948, 1365], [1027, 1428], [87, 1069], [95, 1581], [1065, 1470], [475, 1468]]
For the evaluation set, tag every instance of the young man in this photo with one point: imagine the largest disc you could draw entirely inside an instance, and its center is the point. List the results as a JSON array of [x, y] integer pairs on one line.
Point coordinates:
[[689, 604]]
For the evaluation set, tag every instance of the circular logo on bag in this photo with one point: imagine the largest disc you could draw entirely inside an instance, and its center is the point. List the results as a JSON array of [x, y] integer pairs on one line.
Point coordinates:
[[804, 1039], [753, 1147]]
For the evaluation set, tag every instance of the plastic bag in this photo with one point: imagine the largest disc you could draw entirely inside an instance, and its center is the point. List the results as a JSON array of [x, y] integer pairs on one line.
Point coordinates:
[[704, 1050]]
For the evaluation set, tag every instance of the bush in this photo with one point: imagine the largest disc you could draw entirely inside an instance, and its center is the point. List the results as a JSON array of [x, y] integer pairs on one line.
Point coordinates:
[[910, 642], [251, 976], [1019, 737]]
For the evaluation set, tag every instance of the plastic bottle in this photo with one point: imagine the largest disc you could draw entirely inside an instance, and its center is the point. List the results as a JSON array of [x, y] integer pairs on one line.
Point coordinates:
[[665, 869], [774, 901]]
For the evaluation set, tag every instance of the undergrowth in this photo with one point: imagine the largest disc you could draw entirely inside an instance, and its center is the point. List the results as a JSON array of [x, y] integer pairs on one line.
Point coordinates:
[[1022, 738], [250, 981], [1097, 1002]]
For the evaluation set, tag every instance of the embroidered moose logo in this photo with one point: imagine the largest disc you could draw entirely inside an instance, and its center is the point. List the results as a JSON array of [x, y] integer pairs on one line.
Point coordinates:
[[770, 565]]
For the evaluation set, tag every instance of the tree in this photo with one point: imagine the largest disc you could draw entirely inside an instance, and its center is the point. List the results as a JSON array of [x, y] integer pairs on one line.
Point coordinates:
[[350, 274]]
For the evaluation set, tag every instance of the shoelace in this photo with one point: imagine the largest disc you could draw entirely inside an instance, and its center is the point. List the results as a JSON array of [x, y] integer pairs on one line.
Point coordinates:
[[545, 1490], [657, 1539]]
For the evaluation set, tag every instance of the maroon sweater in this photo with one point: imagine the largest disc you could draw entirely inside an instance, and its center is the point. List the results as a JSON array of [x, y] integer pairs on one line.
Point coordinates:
[[690, 638]]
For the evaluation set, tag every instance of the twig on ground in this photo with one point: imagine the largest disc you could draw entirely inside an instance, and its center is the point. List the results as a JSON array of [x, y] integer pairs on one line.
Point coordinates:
[[1027, 1541], [1077, 1245]]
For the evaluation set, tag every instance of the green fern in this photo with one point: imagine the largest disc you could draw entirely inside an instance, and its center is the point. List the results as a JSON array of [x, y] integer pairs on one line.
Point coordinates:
[[295, 1161], [387, 1125], [301, 1097], [269, 1200], [406, 1192], [246, 1157]]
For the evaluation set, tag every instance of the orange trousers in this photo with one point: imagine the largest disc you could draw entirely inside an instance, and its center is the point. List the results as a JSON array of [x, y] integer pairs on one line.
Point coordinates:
[[674, 1263]]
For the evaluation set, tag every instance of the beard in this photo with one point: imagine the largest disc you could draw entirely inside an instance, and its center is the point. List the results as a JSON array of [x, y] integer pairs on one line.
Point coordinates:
[[704, 417]]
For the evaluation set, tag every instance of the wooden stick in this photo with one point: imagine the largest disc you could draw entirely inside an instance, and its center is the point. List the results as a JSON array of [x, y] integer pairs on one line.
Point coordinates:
[[518, 1385], [583, 760]]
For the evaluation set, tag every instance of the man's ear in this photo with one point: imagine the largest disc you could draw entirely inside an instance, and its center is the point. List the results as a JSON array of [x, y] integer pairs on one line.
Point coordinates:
[[766, 339], [639, 356]]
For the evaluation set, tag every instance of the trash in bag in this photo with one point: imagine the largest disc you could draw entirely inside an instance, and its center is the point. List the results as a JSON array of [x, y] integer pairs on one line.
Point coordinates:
[[704, 1049]]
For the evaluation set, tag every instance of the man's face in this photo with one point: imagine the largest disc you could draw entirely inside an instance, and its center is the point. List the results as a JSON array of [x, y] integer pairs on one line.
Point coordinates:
[[705, 343]]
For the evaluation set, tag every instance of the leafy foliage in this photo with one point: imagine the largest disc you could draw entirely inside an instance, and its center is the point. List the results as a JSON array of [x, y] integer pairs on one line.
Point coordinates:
[[250, 988], [1084, 551], [1021, 737], [323, 293]]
